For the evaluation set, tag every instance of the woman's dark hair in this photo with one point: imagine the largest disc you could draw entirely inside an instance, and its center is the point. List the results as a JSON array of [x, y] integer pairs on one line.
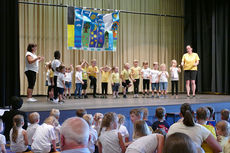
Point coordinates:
[[187, 112], [16, 102], [57, 54], [179, 143], [30, 47]]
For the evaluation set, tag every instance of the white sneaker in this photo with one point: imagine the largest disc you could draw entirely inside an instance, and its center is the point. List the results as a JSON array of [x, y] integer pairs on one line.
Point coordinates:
[[55, 101], [31, 100], [34, 99]]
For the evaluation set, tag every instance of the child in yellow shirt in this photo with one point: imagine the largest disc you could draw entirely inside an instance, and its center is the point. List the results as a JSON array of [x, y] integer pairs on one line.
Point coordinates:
[[135, 75], [92, 72], [105, 74], [125, 75], [115, 82]]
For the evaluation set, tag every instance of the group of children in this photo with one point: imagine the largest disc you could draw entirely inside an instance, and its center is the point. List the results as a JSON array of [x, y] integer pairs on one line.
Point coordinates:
[[158, 78], [108, 132]]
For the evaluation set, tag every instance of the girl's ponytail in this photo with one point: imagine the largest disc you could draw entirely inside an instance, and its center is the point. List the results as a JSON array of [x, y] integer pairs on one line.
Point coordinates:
[[188, 119], [18, 121]]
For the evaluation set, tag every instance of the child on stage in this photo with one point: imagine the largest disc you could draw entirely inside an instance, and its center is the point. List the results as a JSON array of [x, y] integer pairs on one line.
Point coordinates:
[[50, 81], [125, 75], [154, 80], [163, 79], [79, 82], [84, 66], [145, 73], [115, 82], [61, 83], [68, 80], [174, 70], [135, 74], [92, 72], [105, 74]]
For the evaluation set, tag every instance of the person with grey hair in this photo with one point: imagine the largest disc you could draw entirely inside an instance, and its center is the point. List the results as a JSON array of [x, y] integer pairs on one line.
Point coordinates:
[[74, 136]]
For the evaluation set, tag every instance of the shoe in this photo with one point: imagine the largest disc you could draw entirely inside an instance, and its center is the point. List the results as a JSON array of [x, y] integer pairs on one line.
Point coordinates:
[[31, 100], [124, 96], [61, 102], [75, 97], [51, 99], [152, 96], [80, 97], [143, 96], [114, 97], [34, 99], [94, 96], [70, 97], [102, 96], [85, 96], [55, 101], [137, 96], [161, 96], [157, 96], [193, 96]]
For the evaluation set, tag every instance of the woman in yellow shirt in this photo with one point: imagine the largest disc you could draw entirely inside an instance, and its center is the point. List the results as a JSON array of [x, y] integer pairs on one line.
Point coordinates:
[[105, 73], [190, 61]]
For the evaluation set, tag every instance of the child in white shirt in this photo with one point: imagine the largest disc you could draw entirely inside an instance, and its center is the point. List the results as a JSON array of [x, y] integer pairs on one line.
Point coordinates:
[[79, 82], [174, 71], [44, 136], [122, 129], [154, 80], [222, 131], [2, 139], [68, 80], [145, 73], [18, 136], [34, 119], [57, 127], [92, 132], [163, 80], [61, 83], [110, 140]]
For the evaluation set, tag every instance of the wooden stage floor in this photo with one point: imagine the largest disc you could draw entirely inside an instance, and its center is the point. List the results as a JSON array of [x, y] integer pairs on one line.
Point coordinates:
[[96, 103]]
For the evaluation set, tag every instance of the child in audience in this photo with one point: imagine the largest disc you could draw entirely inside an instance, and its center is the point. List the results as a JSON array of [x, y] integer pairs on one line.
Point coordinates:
[[135, 114], [34, 119], [56, 113], [79, 82], [163, 80], [44, 136], [202, 115], [105, 74], [211, 118], [225, 114], [145, 73], [110, 140], [18, 136], [68, 80], [84, 66], [92, 132], [50, 80], [145, 116], [97, 119], [92, 72], [2, 139], [135, 75], [61, 83], [80, 112], [125, 76], [161, 123], [115, 82], [122, 129], [223, 131], [154, 80], [140, 129], [174, 70]]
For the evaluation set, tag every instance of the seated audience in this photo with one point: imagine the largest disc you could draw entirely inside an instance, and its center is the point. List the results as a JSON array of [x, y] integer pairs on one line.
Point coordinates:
[[145, 116], [56, 113], [34, 119], [92, 133], [225, 115], [2, 139], [7, 118], [145, 142], [211, 118], [223, 131], [80, 112], [196, 132], [110, 140], [44, 138], [179, 143], [18, 136], [74, 136], [122, 129], [202, 115], [161, 123], [97, 119], [136, 114]]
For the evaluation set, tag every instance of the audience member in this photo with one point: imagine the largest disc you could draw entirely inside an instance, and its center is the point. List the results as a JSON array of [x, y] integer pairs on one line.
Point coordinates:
[[223, 131], [225, 114], [97, 119], [80, 112], [145, 116], [211, 118], [2, 139], [161, 123], [34, 119], [122, 129]]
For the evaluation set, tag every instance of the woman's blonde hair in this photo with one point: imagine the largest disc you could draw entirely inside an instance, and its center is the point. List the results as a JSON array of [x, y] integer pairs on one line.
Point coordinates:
[[34, 117], [107, 120], [55, 113], [18, 121], [140, 129]]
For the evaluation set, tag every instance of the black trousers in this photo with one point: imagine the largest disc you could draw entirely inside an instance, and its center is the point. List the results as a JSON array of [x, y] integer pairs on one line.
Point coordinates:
[[55, 88], [104, 87], [174, 85], [136, 86], [93, 82]]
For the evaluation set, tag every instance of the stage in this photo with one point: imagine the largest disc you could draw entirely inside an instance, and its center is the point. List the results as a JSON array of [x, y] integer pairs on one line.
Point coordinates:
[[98, 103]]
